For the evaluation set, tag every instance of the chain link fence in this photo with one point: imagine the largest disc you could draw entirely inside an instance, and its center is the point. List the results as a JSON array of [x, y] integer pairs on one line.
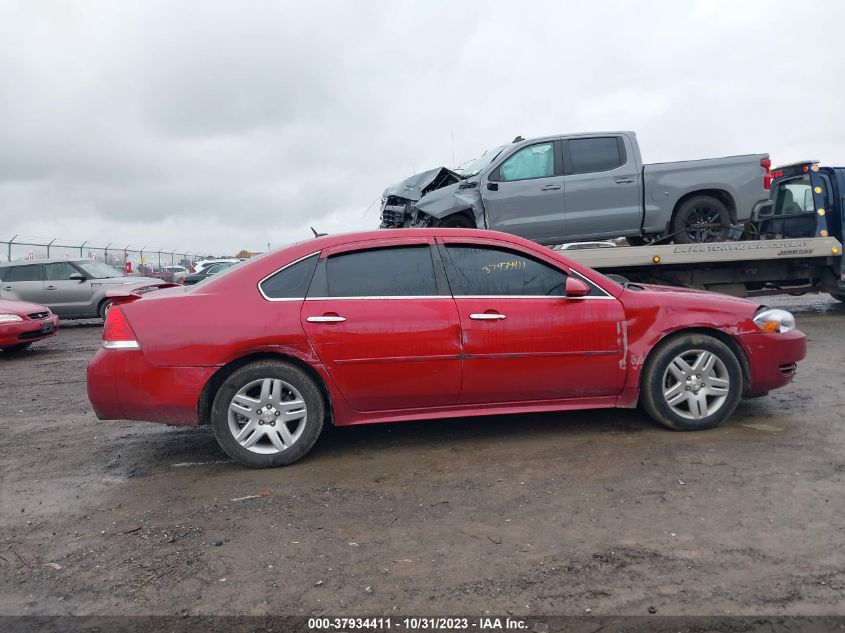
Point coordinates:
[[122, 256]]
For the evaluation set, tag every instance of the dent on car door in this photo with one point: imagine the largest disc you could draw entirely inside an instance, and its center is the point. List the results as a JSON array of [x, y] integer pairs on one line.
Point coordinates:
[[24, 283], [524, 340], [524, 194], [385, 327], [603, 188]]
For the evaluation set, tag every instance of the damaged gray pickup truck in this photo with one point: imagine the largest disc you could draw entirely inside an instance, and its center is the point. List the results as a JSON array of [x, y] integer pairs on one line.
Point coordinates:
[[576, 187]]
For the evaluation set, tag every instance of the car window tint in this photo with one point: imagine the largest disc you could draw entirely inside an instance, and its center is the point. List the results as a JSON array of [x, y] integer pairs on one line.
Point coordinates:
[[383, 272], [60, 271], [291, 282], [536, 161], [24, 273], [594, 154], [483, 270]]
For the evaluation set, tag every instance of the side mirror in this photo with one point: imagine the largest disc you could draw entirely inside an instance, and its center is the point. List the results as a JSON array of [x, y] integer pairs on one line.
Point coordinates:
[[77, 276], [576, 288], [493, 186]]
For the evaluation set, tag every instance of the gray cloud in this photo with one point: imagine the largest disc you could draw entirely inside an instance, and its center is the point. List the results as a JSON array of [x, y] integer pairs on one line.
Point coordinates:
[[218, 125]]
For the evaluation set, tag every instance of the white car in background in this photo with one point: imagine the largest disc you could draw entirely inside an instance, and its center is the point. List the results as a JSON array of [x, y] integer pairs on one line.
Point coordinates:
[[205, 263], [178, 272]]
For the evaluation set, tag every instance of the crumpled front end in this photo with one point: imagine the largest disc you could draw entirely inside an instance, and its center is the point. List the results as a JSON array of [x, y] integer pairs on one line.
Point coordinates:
[[398, 203], [396, 212]]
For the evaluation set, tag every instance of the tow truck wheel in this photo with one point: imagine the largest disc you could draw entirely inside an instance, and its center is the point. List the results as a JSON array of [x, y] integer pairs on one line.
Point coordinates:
[[701, 219]]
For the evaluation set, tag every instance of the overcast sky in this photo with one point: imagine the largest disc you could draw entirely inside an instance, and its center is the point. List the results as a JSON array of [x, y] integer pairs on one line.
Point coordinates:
[[215, 126]]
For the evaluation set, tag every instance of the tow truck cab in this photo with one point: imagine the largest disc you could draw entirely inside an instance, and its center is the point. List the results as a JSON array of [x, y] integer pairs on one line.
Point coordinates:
[[808, 201]]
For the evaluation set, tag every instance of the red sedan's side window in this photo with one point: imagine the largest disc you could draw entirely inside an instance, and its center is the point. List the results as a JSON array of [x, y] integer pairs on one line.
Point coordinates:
[[291, 282], [485, 271], [399, 271]]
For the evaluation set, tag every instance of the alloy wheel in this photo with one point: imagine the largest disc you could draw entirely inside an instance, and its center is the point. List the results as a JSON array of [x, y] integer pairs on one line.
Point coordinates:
[[696, 384], [267, 416]]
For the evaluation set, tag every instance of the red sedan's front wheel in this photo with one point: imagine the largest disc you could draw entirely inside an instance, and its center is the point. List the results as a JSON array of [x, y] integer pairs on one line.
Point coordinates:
[[267, 413], [691, 382]]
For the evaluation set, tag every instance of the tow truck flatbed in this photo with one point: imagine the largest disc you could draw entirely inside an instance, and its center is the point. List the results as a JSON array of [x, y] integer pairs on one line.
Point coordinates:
[[710, 253]]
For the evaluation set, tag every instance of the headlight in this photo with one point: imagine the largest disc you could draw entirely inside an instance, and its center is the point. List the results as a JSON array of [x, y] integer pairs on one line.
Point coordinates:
[[10, 318], [773, 320]]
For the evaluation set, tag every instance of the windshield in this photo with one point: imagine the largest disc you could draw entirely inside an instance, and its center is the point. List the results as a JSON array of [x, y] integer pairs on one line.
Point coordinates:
[[480, 164], [99, 270]]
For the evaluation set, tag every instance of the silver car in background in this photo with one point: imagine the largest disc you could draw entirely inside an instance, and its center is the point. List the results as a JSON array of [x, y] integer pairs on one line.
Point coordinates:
[[71, 288]]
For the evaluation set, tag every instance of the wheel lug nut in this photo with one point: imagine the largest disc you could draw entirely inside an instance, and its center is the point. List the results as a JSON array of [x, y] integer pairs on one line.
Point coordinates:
[[278, 414]]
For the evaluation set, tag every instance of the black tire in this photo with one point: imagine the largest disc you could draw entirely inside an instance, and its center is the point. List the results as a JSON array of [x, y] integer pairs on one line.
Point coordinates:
[[701, 219], [657, 379], [17, 347], [312, 422], [457, 221], [838, 297], [104, 308]]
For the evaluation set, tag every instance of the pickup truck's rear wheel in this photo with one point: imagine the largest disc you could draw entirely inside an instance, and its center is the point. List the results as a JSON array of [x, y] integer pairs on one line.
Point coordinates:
[[701, 219]]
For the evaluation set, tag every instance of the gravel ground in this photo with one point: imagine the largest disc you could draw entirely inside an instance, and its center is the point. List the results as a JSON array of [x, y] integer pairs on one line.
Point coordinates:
[[523, 515]]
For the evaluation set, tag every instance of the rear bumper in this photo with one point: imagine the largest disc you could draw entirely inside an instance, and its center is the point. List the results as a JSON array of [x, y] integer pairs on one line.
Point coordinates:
[[122, 385], [773, 359], [27, 331]]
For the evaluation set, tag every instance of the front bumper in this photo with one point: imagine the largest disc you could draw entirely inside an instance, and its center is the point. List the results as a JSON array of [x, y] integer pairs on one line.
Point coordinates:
[[773, 359], [122, 385], [28, 331]]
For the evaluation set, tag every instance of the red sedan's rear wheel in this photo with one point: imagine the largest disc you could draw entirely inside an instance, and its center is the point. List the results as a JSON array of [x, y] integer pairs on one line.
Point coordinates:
[[691, 382], [267, 413]]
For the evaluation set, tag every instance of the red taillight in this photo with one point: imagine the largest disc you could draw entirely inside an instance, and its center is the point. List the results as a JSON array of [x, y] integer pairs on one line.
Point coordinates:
[[192, 269], [117, 333], [766, 164]]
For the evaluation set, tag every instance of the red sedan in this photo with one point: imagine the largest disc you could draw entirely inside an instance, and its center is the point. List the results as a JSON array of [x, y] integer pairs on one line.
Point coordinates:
[[426, 323], [22, 323]]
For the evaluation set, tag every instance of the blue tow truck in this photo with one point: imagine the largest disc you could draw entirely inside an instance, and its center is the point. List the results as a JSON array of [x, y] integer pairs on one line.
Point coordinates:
[[792, 246]]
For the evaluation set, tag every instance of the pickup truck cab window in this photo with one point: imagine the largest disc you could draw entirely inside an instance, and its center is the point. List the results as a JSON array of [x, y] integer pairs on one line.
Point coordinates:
[[534, 161], [587, 155], [487, 271]]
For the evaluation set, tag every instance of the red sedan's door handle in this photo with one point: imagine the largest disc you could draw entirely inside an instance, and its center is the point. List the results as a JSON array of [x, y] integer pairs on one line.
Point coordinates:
[[487, 316], [549, 187], [326, 318]]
